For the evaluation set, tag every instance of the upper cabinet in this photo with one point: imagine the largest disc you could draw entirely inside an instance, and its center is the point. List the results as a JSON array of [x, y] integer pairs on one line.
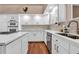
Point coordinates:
[[61, 12], [34, 19], [57, 13]]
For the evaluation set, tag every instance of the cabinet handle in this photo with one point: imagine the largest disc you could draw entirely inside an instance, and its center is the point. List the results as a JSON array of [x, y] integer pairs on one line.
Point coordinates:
[[56, 40]]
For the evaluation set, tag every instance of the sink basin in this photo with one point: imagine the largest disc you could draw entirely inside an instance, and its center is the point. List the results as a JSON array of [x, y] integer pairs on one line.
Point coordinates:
[[69, 35]]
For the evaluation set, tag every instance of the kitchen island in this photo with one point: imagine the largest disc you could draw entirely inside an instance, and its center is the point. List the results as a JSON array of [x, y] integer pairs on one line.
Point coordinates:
[[12, 43]]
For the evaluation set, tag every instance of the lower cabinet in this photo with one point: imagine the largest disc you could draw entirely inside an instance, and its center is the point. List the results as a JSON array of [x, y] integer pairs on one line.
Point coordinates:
[[60, 45], [61, 50], [74, 48], [14, 47], [36, 35], [24, 43], [2, 50], [20, 45]]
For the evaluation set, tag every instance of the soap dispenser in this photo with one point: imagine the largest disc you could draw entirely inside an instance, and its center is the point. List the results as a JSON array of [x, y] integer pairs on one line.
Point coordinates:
[[65, 29]]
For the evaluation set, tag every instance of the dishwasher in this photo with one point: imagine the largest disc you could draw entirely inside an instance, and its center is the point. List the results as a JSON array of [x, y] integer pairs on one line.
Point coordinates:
[[49, 42]]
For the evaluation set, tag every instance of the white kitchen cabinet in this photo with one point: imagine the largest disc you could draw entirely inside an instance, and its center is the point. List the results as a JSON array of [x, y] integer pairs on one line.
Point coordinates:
[[1, 49], [60, 44], [54, 44], [31, 36], [74, 48], [3, 23], [14, 47], [34, 19], [36, 36], [61, 50], [62, 13], [24, 43]]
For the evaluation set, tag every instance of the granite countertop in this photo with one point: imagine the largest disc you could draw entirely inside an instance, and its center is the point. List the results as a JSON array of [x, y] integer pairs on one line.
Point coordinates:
[[8, 38]]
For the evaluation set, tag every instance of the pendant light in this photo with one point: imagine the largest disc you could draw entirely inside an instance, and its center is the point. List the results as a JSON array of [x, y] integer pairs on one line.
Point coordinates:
[[25, 9]]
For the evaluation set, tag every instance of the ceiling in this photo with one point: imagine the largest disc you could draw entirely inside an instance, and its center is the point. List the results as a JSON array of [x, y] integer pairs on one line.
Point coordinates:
[[18, 8]]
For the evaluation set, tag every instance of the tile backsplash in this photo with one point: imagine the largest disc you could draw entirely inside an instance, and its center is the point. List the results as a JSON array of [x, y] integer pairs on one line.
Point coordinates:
[[72, 28]]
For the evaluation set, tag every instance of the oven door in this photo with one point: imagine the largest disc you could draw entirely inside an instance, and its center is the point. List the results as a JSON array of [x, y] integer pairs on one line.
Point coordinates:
[[12, 30]]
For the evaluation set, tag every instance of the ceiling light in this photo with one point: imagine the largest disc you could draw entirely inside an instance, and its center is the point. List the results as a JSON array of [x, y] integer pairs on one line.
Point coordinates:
[[25, 9]]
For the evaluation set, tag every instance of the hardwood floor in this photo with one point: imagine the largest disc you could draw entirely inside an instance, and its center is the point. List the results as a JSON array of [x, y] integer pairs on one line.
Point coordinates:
[[37, 48]]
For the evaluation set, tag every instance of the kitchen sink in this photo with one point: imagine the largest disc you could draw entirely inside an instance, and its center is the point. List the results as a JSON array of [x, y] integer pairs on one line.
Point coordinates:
[[69, 35]]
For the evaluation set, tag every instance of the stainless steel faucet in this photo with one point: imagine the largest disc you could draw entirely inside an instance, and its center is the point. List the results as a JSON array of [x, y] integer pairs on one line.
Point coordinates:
[[76, 23]]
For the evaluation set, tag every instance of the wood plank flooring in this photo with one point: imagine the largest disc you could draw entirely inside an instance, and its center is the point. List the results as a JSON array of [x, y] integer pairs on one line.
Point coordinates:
[[37, 48]]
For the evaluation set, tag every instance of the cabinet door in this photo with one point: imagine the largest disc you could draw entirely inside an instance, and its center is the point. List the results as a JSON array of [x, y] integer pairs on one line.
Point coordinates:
[[24, 41], [61, 45], [14, 47], [1, 49], [54, 44], [3, 23], [74, 48], [36, 36], [62, 12], [61, 50]]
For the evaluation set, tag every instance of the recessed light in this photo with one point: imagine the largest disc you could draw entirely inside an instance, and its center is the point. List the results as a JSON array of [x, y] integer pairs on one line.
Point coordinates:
[[26, 17], [37, 17]]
